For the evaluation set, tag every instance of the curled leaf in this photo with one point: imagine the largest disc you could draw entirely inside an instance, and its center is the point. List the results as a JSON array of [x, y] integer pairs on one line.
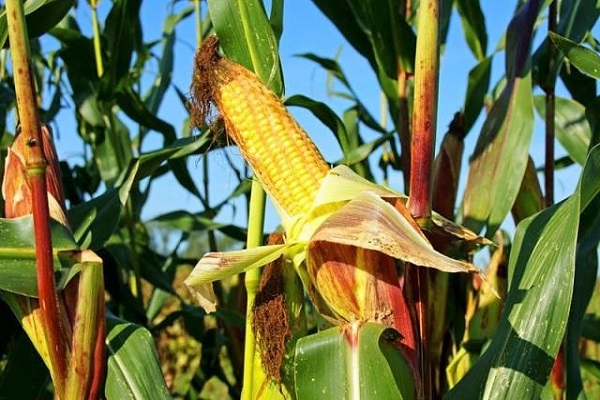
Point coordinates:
[[372, 223], [216, 266]]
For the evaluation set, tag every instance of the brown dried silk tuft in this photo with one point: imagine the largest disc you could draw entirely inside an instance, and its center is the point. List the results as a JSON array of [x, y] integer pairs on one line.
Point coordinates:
[[270, 316]]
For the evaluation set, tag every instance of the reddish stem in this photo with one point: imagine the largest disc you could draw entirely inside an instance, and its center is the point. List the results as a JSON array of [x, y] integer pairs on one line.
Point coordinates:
[[36, 172], [425, 110], [45, 280], [404, 126]]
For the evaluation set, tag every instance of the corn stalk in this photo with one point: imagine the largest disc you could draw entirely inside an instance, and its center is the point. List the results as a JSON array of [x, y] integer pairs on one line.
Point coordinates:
[[36, 173]]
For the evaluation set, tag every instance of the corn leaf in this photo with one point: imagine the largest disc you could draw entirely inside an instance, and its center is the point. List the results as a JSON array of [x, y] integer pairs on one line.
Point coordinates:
[[123, 35], [576, 19], [17, 256], [217, 266], [530, 199], [541, 270], [586, 60], [392, 39], [189, 222], [500, 159], [542, 273], [133, 367], [161, 83], [360, 365], [97, 219], [571, 126], [479, 83], [369, 222], [343, 184], [247, 37], [473, 23], [40, 17], [324, 114]]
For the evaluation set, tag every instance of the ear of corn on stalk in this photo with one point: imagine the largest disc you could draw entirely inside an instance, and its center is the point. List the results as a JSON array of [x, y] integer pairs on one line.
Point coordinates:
[[342, 232]]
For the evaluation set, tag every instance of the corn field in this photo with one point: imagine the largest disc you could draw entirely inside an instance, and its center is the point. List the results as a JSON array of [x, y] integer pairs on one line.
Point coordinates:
[[425, 263]]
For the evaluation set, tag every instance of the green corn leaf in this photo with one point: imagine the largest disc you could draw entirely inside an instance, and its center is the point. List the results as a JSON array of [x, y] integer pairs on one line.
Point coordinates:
[[40, 17], [473, 23], [123, 33], [500, 159], [133, 367], [161, 83], [360, 365], [575, 20], [571, 126], [542, 273], [479, 83], [246, 36], [97, 219], [530, 199], [189, 222], [586, 60], [17, 256]]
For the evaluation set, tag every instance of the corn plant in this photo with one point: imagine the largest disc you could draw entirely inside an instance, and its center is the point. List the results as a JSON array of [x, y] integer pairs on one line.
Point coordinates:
[[393, 273]]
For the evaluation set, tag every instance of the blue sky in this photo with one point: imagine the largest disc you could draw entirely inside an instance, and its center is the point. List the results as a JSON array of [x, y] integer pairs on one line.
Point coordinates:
[[306, 30]]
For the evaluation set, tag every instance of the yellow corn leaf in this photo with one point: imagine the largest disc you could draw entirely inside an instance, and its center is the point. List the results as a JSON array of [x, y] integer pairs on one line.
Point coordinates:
[[216, 266]]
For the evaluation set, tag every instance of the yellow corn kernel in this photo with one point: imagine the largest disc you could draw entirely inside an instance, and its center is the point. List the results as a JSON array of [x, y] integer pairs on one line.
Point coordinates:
[[281, 154]]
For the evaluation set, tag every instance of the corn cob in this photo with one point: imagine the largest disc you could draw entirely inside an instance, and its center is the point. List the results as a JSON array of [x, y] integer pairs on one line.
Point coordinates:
[[281, 154]]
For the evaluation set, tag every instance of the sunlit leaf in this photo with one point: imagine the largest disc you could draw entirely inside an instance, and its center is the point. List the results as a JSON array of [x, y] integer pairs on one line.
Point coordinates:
[[541, 282], [217, 266], [500, 159], [18, 259], [361, 363], [586, 60], [233, 22], [473, 23], [133, 366], [40, 17], [369, 222]]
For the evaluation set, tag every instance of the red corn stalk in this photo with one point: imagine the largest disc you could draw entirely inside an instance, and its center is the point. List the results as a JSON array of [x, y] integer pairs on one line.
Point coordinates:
[[36, 171]]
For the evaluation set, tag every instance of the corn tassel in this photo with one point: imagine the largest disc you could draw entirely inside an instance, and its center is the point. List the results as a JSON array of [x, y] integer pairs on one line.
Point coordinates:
[[281, 154]]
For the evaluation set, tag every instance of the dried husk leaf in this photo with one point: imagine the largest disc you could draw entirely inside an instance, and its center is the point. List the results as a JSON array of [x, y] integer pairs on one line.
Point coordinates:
[[372, 223], [16, 188], [216, 266]]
